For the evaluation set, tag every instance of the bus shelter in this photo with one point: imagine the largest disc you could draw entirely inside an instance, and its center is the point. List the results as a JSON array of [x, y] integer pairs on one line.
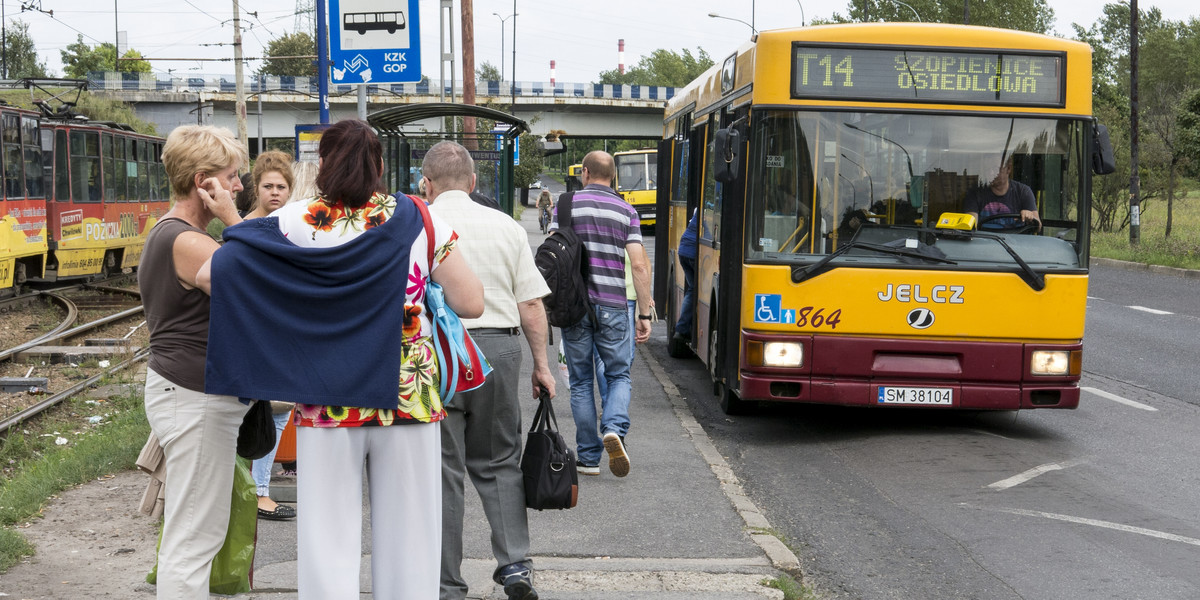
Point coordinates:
[[407, 134]]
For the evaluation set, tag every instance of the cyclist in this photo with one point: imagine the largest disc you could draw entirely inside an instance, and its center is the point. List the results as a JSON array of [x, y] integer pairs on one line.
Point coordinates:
[[544, 204]]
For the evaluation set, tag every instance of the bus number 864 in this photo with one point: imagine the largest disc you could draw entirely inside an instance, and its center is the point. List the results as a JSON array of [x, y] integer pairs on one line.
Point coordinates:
[[806, 317]]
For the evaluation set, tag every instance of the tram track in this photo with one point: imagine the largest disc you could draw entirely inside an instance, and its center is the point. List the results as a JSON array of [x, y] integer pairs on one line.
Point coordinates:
[[83, 298]]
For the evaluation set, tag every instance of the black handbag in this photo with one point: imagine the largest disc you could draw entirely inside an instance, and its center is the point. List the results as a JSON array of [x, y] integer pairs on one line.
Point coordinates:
[[256, 436], [548, 464]]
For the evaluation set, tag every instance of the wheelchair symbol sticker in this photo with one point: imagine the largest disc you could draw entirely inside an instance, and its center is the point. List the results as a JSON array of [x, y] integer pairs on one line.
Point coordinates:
[[768, 309]]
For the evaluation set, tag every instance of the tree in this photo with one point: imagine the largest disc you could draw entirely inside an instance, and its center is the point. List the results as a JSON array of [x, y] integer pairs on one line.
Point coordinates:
[[487, 72], [79, 59], [1189, 132], [293, 44], [530, 168], [1025, 15], [20, 55], [662, 67]]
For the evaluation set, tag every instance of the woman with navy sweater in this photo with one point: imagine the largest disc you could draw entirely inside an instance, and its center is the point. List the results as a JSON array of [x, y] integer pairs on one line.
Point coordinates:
[[351, 347]]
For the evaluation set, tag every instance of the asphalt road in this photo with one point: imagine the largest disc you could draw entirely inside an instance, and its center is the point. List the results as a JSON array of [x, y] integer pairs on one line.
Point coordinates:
[[1092, 503]]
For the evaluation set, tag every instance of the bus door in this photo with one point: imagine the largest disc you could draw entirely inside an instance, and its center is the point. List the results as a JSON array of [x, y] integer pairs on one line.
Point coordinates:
[[721, 220]]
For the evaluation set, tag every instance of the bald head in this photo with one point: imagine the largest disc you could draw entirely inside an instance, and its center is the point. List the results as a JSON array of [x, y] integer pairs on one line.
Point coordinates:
[[449, 166], [598, 168]]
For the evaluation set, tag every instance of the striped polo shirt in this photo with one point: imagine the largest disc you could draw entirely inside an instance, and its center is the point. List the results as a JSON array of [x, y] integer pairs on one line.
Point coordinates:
[[605, 223]]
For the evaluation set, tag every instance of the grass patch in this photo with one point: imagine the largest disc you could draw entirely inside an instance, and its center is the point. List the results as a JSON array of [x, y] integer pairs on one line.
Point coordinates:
[[1181, 250], [37, 468], [792, 589]]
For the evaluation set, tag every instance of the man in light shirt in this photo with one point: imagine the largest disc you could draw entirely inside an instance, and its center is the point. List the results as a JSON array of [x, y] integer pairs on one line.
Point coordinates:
[[481, 434]]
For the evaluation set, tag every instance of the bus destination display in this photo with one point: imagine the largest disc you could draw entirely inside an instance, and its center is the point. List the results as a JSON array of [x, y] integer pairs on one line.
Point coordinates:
[[928, 75]]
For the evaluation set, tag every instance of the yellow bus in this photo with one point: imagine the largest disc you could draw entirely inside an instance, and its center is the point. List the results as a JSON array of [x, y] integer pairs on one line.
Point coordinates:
[[851, 250], [573, 177], [637, 172]]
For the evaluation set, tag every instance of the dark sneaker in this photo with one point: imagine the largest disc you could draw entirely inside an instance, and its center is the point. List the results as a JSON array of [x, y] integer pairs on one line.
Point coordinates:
[[517, 580], [583, 469], [618, 461]]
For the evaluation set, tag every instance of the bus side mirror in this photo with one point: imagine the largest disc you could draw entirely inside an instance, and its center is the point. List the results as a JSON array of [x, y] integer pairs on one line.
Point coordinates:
[[1103, 162], [727, 144]]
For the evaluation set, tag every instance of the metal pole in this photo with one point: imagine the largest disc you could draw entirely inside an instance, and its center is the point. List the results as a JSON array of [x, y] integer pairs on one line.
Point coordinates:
[[239, 86], [116, 41], [261, 82], [322, 63], [362, 102], [514, 61], [966, 12], [1135, 225]]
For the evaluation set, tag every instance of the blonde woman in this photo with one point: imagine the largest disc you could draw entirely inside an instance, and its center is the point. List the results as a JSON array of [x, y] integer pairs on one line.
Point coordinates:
[[198, 431]]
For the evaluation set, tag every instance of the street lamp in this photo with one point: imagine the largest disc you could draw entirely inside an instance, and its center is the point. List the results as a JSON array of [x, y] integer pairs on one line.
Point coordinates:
[[909, 8], [752, 29], [502, 20]]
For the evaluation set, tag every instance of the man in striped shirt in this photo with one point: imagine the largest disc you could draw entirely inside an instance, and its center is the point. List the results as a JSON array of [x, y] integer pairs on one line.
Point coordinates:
[[608, 227]]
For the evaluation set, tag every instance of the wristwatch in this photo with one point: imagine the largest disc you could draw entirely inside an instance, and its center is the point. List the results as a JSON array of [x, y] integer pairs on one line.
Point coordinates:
[[646, 317]]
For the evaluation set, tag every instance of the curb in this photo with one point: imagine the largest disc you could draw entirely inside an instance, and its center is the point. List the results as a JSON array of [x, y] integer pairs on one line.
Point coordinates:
[[777, 552], [1136, 266]]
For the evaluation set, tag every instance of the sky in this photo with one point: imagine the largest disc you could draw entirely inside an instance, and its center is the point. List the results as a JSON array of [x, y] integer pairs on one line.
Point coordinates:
[[581, 37]]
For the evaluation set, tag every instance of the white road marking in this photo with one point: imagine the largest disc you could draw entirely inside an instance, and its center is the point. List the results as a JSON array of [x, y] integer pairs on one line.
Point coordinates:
[[1094, 298], [1116, 398], [1162, 535], [1020, 478], [1152, 311]]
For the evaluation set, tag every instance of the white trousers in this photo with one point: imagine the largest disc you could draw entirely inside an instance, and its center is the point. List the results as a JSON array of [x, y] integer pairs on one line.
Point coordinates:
[[403, 464], [198, 433]]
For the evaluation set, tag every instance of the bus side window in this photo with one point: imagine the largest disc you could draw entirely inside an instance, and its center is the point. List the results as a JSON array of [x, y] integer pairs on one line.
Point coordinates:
[[710, 202]]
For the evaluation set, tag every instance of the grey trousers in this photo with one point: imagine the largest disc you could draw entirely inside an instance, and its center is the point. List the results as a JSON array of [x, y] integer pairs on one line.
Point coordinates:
[[481, 436]]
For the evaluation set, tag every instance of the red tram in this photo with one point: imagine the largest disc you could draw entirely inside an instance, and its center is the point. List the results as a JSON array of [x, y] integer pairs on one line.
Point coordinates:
[[79, 196]]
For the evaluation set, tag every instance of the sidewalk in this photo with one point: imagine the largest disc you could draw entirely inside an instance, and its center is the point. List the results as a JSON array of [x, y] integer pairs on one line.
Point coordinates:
[[667, 530]]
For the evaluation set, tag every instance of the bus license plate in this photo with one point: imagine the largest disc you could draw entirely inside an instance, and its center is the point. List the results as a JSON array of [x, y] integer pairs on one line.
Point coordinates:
[[916, 396]]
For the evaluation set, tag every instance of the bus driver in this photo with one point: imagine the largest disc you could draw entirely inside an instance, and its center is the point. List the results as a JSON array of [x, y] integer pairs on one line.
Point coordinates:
[[1003, 196]]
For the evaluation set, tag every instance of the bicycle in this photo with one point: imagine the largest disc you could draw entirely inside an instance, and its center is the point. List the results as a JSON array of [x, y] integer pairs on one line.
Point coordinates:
[[544, 218]]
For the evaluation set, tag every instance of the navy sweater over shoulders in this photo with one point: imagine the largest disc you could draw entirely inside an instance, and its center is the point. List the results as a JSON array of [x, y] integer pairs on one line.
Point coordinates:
[[310, 325]]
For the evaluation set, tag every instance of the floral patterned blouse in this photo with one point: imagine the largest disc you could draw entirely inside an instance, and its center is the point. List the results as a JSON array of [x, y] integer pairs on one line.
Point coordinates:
[[322, 223]]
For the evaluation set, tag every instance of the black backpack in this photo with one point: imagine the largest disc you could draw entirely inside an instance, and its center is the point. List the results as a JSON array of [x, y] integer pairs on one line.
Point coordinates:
[[562, 261]]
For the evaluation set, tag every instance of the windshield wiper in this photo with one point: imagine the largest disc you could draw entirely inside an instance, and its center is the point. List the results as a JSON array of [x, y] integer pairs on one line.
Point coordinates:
[[800, 274], [1034, 279]]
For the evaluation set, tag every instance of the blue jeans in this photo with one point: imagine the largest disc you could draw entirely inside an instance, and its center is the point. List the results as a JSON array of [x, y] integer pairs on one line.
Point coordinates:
[[601, 380], [609, 340], [261, 469], [683, 327]]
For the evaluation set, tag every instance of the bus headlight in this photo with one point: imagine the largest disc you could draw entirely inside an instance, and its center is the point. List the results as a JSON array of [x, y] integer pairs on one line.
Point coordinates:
[[1051, 362], [782, 354]]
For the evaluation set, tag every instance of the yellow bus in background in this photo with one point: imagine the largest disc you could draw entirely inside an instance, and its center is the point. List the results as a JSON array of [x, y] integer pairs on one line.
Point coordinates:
[[573, 177], [834, 168], [637, 172]]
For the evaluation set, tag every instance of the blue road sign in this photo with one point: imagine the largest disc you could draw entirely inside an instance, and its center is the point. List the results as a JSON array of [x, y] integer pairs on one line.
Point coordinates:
[[374, 41]]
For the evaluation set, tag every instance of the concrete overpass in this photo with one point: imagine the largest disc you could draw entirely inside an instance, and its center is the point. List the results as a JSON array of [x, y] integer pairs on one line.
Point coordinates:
[[581, 110]]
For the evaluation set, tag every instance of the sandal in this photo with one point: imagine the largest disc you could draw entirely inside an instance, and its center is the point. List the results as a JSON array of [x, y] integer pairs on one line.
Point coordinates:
[[281, 513]]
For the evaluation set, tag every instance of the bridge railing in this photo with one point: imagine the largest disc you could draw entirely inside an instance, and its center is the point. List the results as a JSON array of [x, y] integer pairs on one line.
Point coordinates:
[[112, 80]]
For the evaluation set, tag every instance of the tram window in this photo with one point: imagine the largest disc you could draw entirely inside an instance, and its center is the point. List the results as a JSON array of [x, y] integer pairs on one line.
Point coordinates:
[[62, 177], [110, 167], [33, 172], [11, 136], [33, 158], [12, 129], [47, 149], [85, 168], [34, 182]]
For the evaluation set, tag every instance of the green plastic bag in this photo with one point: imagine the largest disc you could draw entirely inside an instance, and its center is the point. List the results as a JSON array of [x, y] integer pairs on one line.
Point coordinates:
[[232, 568]]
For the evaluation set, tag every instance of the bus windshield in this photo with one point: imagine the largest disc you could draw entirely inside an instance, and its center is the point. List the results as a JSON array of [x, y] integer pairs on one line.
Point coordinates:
[[636, 171], [819, 179]]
